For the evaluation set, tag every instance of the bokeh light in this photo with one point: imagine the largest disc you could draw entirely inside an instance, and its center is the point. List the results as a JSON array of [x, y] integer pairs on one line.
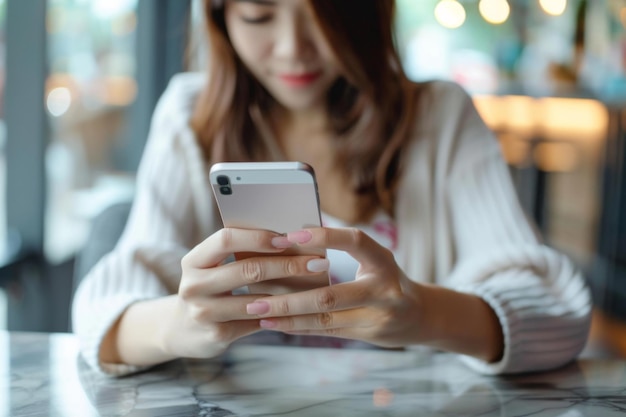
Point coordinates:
[[553, 7], [494, 11], [59, 101], [450, 14]]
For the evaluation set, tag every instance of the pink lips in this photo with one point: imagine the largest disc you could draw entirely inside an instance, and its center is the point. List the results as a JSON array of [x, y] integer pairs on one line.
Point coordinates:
[[300, 80]]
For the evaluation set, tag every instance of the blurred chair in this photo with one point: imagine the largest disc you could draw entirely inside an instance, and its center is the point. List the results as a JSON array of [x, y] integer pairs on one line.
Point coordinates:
[[106, 230]]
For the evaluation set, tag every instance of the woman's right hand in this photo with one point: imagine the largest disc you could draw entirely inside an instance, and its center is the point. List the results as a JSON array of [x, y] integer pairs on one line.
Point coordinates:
[[207, 316]]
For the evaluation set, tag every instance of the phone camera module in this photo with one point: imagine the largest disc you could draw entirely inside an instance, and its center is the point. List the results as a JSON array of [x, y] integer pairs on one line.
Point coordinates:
[[224, 182]]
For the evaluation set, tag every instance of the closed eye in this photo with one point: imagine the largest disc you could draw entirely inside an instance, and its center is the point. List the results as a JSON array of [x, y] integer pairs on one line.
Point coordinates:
[[257, 20], [255, 11]]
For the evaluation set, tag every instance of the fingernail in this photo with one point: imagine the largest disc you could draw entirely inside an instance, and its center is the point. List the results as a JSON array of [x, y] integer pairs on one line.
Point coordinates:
[[258, 307], [318, 265], [281, 242], [267, 324], [303, 236]]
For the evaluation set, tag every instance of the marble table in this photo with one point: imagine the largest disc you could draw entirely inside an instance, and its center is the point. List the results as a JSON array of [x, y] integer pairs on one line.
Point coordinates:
[[42, 375]]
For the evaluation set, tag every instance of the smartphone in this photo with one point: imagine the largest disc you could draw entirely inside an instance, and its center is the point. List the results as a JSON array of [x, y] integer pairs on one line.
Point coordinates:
[[280, 197]]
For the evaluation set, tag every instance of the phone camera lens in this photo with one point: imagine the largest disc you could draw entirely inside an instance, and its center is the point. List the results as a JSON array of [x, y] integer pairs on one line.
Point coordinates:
[[226, 190], [223, 180]]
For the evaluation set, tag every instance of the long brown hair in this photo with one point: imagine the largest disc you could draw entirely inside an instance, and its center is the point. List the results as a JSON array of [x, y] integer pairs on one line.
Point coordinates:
[[371, 107]]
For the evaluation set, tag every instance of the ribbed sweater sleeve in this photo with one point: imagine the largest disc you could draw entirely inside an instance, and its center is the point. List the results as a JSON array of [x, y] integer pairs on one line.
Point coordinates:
[[540, 298], [145, 263]]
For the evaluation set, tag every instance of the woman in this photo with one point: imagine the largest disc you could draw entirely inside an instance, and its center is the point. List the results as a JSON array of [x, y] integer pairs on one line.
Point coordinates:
[[423, 227]]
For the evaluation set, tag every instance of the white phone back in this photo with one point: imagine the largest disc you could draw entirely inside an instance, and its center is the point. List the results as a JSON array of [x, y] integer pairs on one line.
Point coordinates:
[[277, 196]]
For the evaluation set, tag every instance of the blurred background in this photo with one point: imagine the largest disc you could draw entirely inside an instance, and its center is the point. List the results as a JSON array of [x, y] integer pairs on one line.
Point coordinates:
[[80, 78]]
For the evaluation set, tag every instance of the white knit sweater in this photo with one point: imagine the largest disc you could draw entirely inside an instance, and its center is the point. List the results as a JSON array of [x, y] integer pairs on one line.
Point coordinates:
[[459, 225]]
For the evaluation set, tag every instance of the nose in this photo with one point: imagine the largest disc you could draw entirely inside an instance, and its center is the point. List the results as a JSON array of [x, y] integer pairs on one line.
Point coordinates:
[[293, 40]]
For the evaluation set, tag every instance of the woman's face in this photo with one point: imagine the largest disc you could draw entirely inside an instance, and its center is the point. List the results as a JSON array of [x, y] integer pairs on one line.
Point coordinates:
[[282, 46]]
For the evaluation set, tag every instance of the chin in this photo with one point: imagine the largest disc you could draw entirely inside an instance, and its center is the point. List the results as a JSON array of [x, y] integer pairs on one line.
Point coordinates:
[[298, 103]]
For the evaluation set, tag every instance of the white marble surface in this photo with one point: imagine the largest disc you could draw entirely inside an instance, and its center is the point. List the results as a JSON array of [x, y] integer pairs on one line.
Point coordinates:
[[41, 375]]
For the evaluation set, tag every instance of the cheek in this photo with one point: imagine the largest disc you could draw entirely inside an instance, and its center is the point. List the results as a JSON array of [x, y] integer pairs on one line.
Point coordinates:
[[251, 50], [249, 44]]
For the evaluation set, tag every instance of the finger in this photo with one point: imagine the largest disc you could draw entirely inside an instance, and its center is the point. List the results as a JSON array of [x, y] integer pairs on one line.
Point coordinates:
[[355, 242], [223, 309], [314, 322], [233, 330], [221, 244], [251, 271], [341, 324], [342, 333], [338, 297]]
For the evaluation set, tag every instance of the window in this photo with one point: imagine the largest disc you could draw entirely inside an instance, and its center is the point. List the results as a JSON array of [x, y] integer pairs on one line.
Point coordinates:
[[541, 74], [89, 91]]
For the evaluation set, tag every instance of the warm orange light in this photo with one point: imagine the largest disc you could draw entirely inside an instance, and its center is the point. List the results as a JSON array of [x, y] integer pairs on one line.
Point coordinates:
[[508, 112], [61, 79], [117, 91], [557, 118], [556, 156], [520, 113], [514, 149], [572, 118], [490, 110]]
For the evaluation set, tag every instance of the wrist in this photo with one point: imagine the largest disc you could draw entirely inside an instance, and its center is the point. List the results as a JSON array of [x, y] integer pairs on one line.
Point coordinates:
[[144, 330], [430, 321], [420, 321], [459, 322], [165, 332]]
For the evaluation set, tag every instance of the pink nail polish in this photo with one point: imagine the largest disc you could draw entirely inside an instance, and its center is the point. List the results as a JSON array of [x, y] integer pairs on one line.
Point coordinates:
[[281, 242], [258, 307], [268, 324], [318, 265], [303, 236]]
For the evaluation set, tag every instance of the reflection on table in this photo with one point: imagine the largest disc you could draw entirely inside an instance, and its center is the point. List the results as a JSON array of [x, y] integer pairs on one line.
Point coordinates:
[[42, 374]]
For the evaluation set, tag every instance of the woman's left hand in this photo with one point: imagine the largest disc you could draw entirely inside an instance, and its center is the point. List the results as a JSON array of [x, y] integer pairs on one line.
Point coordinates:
[[381, 306]]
